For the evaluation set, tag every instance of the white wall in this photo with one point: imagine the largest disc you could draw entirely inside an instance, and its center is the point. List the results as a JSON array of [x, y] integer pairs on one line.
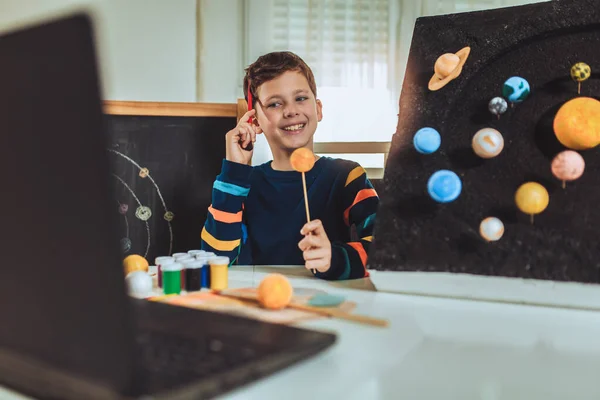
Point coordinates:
[[146, 48], [222, 48], [223, 57]]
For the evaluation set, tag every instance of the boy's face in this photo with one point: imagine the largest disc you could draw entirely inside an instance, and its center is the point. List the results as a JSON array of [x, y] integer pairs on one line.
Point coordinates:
[[288, 112]]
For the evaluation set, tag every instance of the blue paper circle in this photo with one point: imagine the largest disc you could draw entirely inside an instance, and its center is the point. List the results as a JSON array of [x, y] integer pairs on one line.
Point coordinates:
[[427, 140], [326, 300], [444, 186]]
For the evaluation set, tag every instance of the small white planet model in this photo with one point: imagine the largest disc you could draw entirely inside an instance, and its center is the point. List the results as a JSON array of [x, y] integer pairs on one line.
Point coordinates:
[[487, 143], [139, 284], [491, 229]]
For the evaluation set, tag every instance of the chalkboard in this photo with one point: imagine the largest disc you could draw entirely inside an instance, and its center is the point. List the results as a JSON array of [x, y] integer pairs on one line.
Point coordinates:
[[163, 168]]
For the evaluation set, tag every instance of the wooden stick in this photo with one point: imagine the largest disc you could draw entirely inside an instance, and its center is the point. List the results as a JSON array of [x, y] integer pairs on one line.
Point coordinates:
[[305, 197], [332, 312], [306, 204], [329, 312]]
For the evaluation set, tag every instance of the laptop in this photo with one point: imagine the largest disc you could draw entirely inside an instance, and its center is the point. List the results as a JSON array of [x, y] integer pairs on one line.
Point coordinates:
[[68, 330]]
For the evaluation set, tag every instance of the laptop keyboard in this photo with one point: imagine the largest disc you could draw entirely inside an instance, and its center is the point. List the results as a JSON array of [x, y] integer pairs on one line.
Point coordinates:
[[173, 359], [208, 353]]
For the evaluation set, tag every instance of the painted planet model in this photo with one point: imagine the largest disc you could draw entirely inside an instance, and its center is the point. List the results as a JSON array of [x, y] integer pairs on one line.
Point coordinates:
[[497, 106], [516, 89], [427, 140], [491, 229], [444, 186], [487, 143]]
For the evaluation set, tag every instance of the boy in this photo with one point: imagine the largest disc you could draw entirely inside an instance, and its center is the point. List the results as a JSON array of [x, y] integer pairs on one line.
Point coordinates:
[[257, 216]]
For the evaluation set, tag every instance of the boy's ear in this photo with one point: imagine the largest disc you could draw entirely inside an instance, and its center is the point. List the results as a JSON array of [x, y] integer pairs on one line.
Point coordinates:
[[319, 110]]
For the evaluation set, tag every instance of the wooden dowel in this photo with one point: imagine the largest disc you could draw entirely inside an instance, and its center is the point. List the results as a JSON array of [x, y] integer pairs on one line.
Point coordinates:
[[329, 312], [341, 314], [306, 204], [305, 197]]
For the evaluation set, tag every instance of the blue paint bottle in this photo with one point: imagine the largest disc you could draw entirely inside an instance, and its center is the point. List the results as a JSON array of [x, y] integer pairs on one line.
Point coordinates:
[[204, 271]]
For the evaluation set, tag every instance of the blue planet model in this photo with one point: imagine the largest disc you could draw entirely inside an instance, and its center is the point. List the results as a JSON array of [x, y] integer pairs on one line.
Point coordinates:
[[516, 89], [444, 186], [427, 140]]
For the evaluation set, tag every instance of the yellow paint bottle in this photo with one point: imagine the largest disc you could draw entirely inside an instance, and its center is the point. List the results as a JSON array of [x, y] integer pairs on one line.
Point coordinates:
[[218, 272]]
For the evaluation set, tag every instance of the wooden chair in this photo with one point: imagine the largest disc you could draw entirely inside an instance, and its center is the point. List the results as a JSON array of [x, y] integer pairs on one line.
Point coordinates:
[[374, 174], [357, 148]]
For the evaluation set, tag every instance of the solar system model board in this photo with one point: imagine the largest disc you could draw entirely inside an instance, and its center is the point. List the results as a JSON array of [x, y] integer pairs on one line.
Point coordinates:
[[495, 166]]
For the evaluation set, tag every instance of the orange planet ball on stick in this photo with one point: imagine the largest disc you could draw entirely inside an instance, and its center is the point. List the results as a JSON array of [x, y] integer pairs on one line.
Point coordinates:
[[135, 262], [275, 292], [577, 123], [302, 160]]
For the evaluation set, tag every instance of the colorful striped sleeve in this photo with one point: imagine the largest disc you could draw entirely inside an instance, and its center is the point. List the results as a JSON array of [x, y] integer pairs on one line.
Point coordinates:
[[360, 202], [223, 231]]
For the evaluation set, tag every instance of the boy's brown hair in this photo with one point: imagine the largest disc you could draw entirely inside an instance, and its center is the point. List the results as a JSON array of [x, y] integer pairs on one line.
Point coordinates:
[[272, 65]]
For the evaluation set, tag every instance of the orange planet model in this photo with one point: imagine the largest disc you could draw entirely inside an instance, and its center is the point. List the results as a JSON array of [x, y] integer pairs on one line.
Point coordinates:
[[302, 160], [532, 198], [448, 67], [135, 262], [577, 123], [275, 292]]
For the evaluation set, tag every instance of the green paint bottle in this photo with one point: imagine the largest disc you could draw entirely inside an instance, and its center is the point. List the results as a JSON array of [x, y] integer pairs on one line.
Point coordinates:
[[171, 278]]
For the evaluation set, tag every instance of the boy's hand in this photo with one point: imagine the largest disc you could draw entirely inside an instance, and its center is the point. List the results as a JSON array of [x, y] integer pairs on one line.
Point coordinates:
[[316, 247], [239, 137]]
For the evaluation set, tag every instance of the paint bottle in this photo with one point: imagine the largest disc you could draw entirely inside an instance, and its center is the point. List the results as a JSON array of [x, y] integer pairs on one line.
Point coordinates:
[[171, 278], [193, 279], [153, 272], [180, 258], [159, 261], [185, 261], [218, 272], [195, 253], [204, 271]]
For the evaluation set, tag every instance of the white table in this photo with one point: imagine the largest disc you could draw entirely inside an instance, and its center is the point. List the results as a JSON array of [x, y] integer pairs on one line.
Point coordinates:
[[436, 349], [439, 348]]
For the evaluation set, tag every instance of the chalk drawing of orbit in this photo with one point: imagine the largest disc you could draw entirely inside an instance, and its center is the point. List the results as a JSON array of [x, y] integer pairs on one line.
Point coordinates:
[[143, 213]]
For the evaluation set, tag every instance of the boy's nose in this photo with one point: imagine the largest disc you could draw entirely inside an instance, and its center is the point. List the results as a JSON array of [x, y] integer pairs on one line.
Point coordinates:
[[290, 112]]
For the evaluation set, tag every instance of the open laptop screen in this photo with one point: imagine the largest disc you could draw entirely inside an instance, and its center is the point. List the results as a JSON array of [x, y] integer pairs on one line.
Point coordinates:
[[62, 297]]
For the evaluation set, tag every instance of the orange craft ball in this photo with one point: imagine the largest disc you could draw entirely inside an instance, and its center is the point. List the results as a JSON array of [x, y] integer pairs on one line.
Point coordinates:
[[577, 123], [275, 292], [302, 159], [135, 262]]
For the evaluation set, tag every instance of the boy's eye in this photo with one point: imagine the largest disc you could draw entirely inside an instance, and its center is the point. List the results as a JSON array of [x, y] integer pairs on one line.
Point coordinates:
[[273, 105], [301, 98]]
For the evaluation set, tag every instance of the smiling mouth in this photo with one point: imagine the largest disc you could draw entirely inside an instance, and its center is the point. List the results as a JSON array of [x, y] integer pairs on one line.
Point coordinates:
[[293, 129]]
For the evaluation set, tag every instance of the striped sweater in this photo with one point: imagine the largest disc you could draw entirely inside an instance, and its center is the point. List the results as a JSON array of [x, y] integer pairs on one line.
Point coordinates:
[[257, 213]]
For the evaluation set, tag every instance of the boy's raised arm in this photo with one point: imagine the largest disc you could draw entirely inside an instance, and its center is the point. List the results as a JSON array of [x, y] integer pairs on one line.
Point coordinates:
[[223, 231]]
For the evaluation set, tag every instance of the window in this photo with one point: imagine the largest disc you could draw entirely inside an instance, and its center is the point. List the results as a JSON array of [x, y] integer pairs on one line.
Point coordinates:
[[357, 50]]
